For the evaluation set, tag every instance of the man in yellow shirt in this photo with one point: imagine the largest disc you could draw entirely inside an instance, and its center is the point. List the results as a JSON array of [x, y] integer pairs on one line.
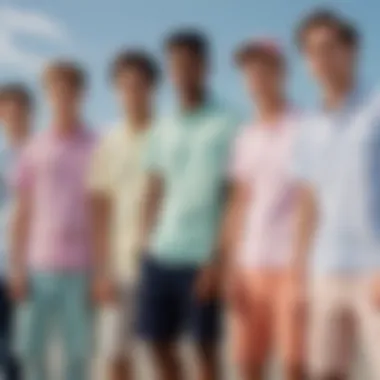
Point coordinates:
[[116, 183]]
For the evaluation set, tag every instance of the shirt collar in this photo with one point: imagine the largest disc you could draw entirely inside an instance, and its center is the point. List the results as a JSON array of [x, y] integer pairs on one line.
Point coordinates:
[[281, 122], [78, 133], [352, 99], [208, 104]]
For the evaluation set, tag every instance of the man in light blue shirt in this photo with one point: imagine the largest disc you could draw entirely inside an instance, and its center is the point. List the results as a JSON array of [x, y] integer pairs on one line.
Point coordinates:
[[15, 114], [337, 164], [186, 192]]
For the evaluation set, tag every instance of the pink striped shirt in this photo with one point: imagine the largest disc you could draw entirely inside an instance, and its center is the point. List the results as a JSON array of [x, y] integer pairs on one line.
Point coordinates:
[[53, 170], [262, 159]]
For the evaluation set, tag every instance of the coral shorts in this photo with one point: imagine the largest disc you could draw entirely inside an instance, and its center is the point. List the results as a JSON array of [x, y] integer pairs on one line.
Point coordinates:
[[263, 320]]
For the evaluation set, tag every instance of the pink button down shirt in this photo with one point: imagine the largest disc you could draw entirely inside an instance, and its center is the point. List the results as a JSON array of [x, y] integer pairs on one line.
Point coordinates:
[[53, 169], [262, 159]]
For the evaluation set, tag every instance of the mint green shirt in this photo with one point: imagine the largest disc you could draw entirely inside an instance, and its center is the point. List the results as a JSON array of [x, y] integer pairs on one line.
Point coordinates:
[[190, 152]]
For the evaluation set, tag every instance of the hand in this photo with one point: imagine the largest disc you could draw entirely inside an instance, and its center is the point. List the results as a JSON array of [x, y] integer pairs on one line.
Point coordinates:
[[18, 287], [103, 291], [207, 283]]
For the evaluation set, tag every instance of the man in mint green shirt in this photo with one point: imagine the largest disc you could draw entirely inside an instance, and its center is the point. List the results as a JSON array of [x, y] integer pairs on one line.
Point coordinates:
[[186, 195]]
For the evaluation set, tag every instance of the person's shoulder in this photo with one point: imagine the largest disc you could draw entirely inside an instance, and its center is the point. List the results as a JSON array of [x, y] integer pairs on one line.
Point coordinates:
[[162, 125], [307, 125], [164, 120], [245, 136], [37, 139], [371, 101], [111, 133], [307, 118], [226, 112], [246, 130], [90, 134]]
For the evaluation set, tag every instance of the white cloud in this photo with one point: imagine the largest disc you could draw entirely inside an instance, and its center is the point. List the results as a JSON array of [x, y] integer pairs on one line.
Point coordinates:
[[17, 22]]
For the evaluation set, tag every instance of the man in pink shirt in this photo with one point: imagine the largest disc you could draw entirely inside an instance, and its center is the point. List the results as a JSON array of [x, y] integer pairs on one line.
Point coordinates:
[[50, 253], [259, 222]]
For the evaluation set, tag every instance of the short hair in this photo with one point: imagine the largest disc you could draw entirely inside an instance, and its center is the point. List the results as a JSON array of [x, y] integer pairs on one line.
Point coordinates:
[[138, 60], [344, 29], [70, 71], [192, 39], [17, 92]]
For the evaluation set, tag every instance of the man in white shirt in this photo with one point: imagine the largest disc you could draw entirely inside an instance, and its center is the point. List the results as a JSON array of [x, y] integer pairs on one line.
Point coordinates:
[[337, 165]]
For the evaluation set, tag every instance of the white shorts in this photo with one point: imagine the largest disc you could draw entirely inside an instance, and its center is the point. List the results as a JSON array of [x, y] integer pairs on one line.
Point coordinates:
[[342, 316], [115, 332]]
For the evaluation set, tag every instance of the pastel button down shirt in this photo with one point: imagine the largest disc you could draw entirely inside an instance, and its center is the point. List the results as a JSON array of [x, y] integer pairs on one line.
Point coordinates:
[[117, 172], [262, 161], [190, 152], [53, 171], [338, 154]]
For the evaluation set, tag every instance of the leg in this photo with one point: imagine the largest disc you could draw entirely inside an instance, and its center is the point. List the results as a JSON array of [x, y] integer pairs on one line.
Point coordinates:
[[251, 325], [116, 336], [35, 317], [369, 327], [75, 322], [291, 333], [249, 361], [8, 363], [332, 329], [166, 361], [159, 319], [114, 358], [121, 368], [207, 325]]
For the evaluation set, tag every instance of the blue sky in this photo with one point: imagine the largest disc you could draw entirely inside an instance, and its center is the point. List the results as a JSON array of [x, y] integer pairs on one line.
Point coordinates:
[[93, 30]]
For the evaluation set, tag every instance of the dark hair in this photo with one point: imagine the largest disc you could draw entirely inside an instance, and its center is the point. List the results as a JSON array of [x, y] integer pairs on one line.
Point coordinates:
[[17, 92], [70, 71], [344, 29], [138, 60], [191, 39]]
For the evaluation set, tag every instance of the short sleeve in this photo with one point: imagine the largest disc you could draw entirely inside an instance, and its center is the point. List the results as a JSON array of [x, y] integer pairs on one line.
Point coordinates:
[[23, 176], [98, 178], [240, 165]]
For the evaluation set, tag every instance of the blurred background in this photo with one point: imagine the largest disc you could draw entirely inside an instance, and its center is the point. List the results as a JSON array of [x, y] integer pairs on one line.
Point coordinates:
[[93, 30]]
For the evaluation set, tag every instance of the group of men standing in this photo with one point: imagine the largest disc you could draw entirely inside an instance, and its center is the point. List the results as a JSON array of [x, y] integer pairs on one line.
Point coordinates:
[[162, 223]]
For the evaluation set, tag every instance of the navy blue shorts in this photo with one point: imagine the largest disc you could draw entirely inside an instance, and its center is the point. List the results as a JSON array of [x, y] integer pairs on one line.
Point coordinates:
[[167, 307]]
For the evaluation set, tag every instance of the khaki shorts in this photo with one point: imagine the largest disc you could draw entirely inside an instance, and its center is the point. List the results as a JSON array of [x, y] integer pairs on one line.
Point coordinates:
[[342, 315]]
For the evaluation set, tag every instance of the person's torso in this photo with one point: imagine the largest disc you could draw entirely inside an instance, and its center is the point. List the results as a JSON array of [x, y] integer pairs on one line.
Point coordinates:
[[194, 154], [267, 232], [60, 219], [342, 150], [127, 177]]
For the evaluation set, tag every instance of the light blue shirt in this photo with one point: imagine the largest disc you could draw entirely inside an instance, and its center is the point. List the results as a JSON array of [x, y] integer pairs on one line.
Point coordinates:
[[338, 153], [190, 153], [8, 157]]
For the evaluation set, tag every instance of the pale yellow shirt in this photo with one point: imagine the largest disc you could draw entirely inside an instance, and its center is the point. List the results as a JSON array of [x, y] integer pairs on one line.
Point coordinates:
[[117, 171]]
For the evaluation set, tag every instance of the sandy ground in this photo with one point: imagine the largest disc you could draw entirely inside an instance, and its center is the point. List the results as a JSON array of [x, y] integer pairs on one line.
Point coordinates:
[[144, 370]]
